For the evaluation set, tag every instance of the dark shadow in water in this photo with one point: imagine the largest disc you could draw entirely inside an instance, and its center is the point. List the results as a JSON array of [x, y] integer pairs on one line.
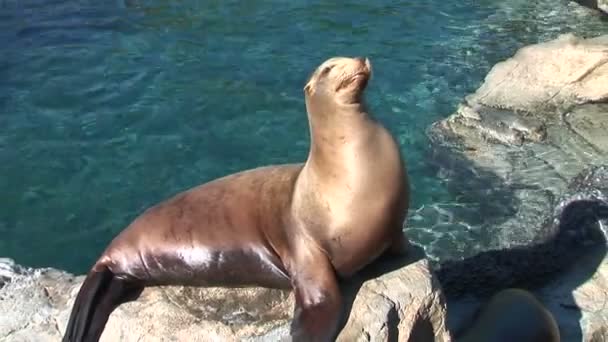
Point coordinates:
[[578, 236]]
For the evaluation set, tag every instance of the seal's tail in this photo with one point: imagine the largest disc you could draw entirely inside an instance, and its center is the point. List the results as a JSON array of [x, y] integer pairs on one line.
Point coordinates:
[[100, 293]]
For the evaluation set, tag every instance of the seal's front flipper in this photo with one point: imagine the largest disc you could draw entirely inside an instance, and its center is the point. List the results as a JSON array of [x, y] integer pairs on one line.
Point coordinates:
[[318, 299], [98, 296]]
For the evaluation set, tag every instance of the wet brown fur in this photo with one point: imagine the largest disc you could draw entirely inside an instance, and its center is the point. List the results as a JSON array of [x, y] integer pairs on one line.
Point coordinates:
[[299, 226]]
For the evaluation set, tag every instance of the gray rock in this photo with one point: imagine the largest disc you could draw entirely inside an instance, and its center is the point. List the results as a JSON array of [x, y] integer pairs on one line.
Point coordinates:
[[393, 300], [522, 136], [577, 224], [9, 270], [569, 271], [590, 122], [527, 150], [29, 304], [573, 71], [578, 298]]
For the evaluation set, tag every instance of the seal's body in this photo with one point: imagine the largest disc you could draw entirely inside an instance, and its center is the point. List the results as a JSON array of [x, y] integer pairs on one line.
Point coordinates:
[[212, 234], [513, 315], [299, 226]]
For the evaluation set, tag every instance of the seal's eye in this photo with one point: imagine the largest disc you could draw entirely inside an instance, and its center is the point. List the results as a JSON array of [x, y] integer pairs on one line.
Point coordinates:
[[326, 70]]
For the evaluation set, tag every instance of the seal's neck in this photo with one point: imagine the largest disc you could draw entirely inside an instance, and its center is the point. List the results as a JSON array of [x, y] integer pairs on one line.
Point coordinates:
[[336, 132]]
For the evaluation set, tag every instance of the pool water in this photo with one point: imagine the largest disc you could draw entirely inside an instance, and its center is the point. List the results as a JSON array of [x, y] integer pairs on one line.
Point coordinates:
[[108, 107]]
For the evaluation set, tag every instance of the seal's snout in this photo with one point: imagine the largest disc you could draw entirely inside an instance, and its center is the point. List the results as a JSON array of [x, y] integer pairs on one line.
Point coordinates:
[[354, 74], [364, 63], [368, 67]]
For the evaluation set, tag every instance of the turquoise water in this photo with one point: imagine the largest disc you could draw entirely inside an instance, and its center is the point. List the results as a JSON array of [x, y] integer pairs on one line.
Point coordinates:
[[107, 107]]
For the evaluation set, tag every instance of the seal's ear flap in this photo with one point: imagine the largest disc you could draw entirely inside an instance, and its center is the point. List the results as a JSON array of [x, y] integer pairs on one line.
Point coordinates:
[[308, 87]]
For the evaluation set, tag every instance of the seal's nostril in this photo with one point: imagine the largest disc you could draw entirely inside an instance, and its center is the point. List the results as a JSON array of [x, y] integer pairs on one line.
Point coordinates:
[[368, 64], [364, 61]]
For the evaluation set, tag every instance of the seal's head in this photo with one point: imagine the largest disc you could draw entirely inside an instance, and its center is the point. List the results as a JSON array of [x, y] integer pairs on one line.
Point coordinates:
[[338, 81]]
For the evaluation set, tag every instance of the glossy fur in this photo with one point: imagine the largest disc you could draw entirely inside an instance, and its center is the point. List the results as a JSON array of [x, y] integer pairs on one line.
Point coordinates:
[[299, 226]]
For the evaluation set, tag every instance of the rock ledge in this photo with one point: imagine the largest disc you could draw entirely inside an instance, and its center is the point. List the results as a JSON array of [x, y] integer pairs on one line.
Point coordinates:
[[403, 301]]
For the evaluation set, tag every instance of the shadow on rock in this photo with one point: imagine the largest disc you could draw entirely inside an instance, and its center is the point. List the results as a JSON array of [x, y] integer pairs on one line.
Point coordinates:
[[383, 265], [578, 235]]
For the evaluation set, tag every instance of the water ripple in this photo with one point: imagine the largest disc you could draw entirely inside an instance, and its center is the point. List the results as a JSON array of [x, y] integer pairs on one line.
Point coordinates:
[[108, 107]]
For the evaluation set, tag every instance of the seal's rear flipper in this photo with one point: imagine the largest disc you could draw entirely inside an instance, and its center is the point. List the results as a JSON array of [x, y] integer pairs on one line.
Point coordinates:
[[99, 295]]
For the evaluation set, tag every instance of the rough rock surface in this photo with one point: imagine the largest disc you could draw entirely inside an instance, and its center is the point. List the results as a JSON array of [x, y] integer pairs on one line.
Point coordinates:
[[520, 139], [573, 71], [569, 271], [531, 142], [399, 300], [578, 223], [579, 297], [458, 226]]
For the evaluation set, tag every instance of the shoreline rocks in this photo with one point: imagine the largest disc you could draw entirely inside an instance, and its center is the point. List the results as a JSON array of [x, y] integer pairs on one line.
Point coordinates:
[[531, 144], [518, 141], [569, 272], [392, 300]]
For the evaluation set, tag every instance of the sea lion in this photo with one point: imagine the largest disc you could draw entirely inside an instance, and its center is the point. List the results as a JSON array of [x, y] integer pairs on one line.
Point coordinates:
[[513, 315], [298, 226]]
